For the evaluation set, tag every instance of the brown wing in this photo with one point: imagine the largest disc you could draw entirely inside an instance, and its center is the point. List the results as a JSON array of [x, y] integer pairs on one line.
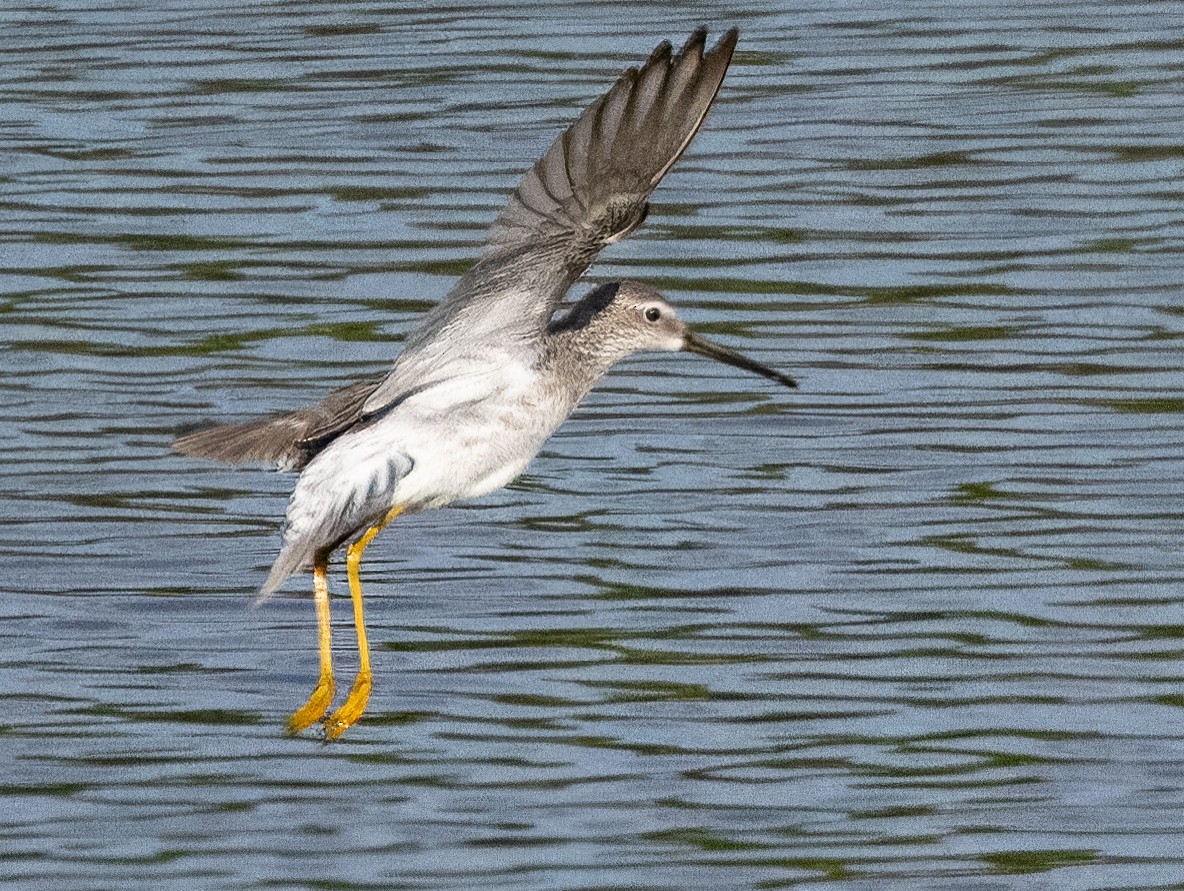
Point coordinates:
[[289, 440]]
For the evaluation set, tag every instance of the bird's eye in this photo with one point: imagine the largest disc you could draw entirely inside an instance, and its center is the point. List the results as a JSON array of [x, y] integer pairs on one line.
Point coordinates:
[[653, 314]]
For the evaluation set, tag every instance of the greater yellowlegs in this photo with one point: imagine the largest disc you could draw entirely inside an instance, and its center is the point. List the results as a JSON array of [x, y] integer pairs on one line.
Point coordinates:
[[491, 372]]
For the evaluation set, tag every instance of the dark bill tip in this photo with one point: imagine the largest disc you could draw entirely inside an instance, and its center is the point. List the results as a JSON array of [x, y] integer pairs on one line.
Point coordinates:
[[695, 344]]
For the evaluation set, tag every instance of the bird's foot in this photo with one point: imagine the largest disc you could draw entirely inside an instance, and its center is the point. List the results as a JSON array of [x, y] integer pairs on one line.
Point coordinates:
[[316, 707], [350, 710]]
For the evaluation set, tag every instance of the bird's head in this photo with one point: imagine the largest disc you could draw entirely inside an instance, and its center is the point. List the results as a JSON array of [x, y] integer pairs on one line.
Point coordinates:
[[621, 318]]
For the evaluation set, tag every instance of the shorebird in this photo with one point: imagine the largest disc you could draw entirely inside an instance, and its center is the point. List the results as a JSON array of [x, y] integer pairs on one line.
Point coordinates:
[[497, 366]]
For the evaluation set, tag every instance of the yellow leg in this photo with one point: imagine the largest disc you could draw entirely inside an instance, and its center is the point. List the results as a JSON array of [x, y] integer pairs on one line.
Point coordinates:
[[350, 710], [318, 703]]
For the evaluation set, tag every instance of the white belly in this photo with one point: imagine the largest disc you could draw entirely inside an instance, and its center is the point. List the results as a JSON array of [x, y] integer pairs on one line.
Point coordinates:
[[479, 449], [458, 439]]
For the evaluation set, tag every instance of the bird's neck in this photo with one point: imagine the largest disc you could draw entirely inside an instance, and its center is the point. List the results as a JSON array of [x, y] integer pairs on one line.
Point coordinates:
[[579, 357]]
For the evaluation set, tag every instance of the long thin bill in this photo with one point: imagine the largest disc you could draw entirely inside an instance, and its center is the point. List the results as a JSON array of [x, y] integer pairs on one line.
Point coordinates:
[[695, 344]]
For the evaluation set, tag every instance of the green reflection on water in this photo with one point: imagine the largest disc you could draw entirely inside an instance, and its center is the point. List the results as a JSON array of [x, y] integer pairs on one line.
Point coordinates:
[[702, 838], [375, 193], [961, 333], [211, 716], [1025, 862], [213, 271], [976, 493], [934, 159], [1150, 406]]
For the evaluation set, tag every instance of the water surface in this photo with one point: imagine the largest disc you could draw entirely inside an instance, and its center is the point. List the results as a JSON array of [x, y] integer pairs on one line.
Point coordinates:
[[916, 625]]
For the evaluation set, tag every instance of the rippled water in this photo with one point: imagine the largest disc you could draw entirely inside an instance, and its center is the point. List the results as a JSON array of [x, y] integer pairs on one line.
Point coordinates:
[[916, 625]]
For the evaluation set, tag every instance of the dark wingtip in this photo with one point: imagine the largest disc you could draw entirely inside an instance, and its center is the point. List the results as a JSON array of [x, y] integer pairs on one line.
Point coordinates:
[[698, 42], [698, 36]]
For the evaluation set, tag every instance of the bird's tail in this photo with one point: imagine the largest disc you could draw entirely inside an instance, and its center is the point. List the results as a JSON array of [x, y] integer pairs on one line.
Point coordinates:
[[294, 556]]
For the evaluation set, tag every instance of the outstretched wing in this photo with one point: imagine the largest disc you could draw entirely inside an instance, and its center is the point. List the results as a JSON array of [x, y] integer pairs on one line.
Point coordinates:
[[590, 189]]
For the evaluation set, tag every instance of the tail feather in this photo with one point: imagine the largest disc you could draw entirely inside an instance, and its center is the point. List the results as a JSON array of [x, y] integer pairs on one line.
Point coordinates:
[[291, 560]]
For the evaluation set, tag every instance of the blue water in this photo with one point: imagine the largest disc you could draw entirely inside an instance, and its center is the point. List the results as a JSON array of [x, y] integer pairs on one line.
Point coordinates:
[[916, 625]]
